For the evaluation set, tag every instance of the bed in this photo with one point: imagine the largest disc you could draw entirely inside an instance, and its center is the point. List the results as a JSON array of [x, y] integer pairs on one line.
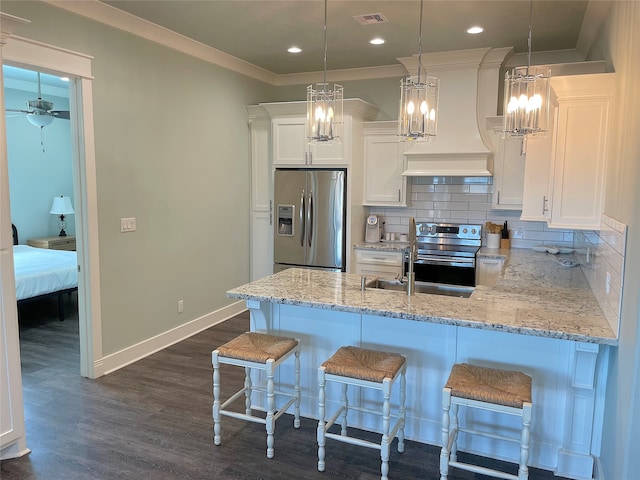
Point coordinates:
[[41, 273]]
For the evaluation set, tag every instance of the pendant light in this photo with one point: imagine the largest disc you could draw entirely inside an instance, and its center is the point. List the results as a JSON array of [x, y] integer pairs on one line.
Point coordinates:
[[324, 105], [526, 96], [418, 115]]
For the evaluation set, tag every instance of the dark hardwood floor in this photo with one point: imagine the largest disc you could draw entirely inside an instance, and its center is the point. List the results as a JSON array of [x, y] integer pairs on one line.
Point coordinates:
[[152, 419]]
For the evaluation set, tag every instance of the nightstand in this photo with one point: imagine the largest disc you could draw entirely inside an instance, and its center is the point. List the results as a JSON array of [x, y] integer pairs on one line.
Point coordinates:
[[54, 243]]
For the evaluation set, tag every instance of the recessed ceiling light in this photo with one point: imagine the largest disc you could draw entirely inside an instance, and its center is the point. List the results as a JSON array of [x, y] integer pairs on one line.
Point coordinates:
[[294, 50], [377, 41], [475, 30]]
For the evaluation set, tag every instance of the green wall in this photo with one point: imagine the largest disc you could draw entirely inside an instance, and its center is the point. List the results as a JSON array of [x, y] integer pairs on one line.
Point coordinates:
[[172, 150]]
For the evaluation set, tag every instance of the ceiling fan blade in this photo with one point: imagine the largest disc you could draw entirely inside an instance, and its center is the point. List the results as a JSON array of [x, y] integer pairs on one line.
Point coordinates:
[[62, 114], [15, 110]]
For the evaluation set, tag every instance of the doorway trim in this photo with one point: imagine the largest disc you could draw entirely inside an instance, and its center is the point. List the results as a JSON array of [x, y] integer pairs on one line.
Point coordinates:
[[25, 53]]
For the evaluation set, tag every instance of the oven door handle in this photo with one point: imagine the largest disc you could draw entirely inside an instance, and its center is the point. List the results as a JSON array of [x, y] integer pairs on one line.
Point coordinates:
[[447, 261]]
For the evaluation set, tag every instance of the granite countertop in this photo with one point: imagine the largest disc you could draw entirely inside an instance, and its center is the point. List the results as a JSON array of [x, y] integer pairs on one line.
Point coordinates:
[[535, 295]]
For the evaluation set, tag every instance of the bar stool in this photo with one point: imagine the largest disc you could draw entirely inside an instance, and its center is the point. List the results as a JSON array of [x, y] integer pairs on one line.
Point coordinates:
[[492, 389], [263, 352], [370, 369]]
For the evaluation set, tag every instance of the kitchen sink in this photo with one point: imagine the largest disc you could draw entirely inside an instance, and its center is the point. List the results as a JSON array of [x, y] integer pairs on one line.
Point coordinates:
[[423, 287]]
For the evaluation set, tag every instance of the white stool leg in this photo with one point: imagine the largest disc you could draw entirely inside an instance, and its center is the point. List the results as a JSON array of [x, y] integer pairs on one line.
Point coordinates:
[[345, 409], [296, 407], [523, 471], [216, 398], [453, 432], [271, 405], [402, 412], [247, 390], [444, 453], [321, 424], [386, 441]]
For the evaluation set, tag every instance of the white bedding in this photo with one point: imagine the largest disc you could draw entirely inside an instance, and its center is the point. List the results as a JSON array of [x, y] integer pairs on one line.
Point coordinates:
[[40, 271]]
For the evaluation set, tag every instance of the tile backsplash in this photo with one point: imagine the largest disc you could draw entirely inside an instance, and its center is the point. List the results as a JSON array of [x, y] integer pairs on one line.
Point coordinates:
[[467, 200], [601, 256]]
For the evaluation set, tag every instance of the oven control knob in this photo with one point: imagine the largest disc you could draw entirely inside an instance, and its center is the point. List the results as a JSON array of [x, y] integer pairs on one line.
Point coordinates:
[[473, 231], [464, 230]]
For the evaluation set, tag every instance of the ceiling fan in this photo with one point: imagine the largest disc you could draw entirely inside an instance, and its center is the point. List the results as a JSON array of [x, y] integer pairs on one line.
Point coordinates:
[[40, 112]]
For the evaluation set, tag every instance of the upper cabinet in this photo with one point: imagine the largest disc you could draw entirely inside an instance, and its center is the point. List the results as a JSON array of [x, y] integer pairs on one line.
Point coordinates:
[[290, 145], [508, 168], [384, 184], [565, 172]]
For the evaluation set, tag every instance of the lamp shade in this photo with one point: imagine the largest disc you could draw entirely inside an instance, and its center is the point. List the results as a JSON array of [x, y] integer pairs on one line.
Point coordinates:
[[39, 119], [61, 206]]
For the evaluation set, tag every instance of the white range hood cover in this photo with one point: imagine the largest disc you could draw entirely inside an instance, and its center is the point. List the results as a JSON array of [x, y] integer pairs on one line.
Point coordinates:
[[469, 81]]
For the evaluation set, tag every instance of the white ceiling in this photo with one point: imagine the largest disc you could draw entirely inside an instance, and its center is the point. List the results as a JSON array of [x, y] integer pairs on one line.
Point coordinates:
[[260, 31]]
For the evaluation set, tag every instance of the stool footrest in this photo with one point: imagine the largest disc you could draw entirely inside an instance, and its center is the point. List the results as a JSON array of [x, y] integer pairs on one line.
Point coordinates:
[[353, 440], [483, 433], [483, 470], [243, 416]]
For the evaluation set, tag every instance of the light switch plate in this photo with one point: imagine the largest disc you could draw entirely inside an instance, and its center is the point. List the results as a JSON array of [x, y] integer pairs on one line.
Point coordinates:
[[128, 224]]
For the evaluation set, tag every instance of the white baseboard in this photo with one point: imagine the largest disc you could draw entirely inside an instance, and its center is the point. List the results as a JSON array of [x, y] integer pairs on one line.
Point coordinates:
[[129, 355]]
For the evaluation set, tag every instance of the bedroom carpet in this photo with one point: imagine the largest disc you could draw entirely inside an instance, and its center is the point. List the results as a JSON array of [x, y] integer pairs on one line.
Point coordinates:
[[152, 420]]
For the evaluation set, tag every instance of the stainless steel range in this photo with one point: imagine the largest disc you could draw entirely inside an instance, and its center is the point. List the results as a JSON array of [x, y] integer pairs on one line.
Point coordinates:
[[447, 253]]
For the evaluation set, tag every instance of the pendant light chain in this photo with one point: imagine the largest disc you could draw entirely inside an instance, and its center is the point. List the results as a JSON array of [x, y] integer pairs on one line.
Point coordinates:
[[417, 119], [420, 42], [527, 92], [324, 105], [529, 40], [324, 75]]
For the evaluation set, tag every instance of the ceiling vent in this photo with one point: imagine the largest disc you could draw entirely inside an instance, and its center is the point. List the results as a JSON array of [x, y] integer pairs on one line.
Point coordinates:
[[371, 19]]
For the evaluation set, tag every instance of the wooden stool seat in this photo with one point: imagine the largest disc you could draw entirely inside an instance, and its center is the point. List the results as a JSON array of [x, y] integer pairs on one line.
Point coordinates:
[[370, 369], [496, 390], [492, 385], [257, 347], [263, 352], [364, 364]]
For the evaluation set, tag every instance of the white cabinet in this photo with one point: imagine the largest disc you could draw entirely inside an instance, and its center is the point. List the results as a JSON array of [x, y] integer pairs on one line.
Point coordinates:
[[580, 149], [261, 227], [289, 142], [377, 263], [537, 175], [384, 184], [291, 148], [488, 270], [565, 172], [508, 168]]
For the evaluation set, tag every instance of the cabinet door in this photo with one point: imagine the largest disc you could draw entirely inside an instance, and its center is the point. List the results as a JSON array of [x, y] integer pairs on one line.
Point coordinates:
[[289, 141], [508, 175], [327, 153], [580, 153], [537, 173], [383, 166]]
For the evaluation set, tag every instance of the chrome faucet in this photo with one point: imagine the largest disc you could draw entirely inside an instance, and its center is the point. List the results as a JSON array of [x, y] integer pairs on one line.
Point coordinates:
[[413, 254]]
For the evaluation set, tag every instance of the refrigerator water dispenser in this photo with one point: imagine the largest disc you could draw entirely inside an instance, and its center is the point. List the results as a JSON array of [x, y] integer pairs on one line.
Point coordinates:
[[285, 220]]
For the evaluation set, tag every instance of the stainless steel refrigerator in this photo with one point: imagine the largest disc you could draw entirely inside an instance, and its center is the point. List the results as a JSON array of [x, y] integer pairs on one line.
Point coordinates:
[[310, 208]]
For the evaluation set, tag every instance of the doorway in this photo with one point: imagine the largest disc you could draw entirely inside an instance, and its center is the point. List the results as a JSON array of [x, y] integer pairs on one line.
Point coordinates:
[[19, 52]]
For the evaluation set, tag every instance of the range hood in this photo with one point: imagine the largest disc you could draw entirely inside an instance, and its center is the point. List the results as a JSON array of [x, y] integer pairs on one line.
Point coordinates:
[[469, 82]]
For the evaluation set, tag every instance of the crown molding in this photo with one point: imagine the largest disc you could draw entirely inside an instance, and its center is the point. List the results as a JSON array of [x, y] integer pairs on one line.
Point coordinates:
[[111, 16]]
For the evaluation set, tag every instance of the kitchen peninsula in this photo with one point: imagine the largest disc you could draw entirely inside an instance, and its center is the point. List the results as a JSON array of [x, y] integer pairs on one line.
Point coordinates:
[[540, 318]]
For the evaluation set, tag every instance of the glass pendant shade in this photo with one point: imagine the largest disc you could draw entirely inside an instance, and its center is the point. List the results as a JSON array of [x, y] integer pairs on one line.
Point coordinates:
[[324, 113], [39, 119], [418, 116], [526, 101]]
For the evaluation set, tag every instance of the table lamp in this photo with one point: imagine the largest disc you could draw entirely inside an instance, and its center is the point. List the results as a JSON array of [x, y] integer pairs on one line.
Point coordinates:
[[61, 206]]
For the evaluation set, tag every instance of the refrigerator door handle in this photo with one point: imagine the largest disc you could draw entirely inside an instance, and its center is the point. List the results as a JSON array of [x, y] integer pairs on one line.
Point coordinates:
[[303, 214], [310, 218]]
